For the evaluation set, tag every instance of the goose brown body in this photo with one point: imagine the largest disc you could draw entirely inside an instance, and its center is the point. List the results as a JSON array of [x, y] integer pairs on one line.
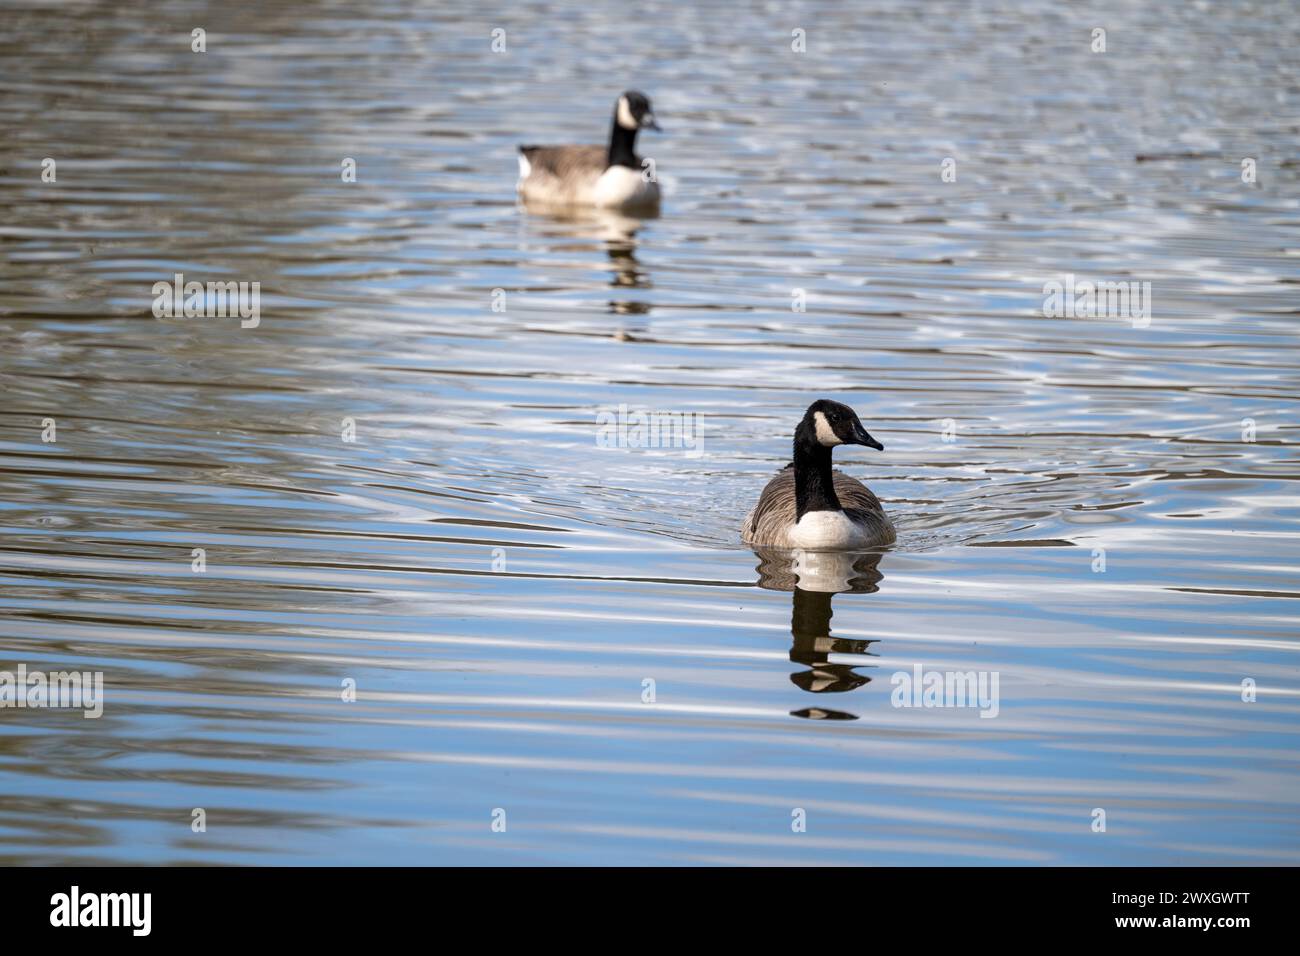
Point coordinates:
[[772, 521], [561, 175]]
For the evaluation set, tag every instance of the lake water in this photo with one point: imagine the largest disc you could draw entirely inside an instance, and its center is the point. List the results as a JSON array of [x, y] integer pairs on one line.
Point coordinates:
[[569, 639]]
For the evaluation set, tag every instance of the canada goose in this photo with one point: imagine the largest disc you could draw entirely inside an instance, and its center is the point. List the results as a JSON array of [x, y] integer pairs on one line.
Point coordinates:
[[810, 506], [611, 178]]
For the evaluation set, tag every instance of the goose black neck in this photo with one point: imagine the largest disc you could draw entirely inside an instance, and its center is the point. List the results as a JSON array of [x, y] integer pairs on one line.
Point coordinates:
[[622, 147], [814, 487], [810, 618]]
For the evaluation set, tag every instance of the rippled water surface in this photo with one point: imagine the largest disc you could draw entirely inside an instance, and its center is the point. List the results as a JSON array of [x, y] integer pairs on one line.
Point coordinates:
[[1111, 531]]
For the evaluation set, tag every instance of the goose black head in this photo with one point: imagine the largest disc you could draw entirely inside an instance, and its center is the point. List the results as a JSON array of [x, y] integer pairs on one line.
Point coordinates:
[[634, 111], [830, 423]]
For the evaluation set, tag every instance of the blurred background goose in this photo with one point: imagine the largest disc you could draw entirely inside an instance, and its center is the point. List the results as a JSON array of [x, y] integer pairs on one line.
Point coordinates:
[[607, 177], [809, 505]]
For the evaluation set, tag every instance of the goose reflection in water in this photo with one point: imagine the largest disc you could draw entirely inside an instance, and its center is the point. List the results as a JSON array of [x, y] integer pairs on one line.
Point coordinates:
[[617, 231], [815, 578]]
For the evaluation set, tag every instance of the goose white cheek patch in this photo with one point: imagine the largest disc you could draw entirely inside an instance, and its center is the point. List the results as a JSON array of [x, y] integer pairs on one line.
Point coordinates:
[[625, 118], [825, 434]]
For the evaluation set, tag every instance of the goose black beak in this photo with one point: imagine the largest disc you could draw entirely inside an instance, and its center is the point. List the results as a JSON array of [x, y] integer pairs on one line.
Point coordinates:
[[648, 122], [860, 437]]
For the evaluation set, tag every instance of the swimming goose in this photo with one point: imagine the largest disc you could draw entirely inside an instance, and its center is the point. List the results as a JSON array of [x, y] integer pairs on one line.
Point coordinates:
[[810, 506], [611, 178]]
